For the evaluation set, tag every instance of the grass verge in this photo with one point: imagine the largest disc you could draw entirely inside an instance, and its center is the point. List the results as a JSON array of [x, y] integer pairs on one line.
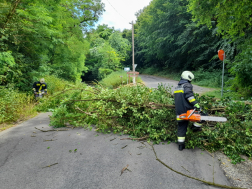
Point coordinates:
[[116, 79]]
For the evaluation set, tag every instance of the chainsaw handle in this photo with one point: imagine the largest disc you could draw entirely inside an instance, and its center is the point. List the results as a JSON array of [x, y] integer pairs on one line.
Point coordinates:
[[191, 113]]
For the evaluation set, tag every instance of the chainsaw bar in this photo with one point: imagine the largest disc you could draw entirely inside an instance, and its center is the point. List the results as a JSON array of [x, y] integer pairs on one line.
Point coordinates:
[[212, 118]]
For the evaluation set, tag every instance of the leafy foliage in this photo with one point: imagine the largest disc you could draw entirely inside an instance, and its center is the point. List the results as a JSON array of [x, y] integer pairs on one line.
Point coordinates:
[[233, 17], [233, 20], [15, 105], [166, 38], [143, 112], [107, 52], [45, 37], [7, 62], [55, 84], [185, 35], [242, 68]]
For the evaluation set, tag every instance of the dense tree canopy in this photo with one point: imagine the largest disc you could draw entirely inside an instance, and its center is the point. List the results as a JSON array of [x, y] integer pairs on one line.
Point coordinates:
[[234, 22], [57, 37], [44, 37], [108, 50], [169, 38], [233, 17], [177, 35]]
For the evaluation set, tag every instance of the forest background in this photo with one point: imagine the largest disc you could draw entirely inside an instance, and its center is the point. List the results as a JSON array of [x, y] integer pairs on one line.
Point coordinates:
[[58, 40]]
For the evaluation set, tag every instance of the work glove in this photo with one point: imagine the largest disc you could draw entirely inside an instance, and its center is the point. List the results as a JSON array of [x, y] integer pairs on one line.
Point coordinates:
[[197, 107]]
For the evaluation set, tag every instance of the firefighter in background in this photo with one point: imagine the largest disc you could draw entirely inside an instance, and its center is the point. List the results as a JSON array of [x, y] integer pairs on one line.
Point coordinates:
[[40, 88], [184, 100]]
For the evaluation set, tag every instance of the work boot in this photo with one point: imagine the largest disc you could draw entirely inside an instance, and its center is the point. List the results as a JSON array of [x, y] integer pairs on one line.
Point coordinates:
[[196, 127], [181, 146]]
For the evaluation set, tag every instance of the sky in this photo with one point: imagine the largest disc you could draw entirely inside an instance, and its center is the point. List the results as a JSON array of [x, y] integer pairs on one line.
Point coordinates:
[[119, 13]]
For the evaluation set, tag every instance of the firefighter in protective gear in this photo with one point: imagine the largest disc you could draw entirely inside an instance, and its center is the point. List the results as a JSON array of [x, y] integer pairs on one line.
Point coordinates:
[[39, 86], [185, 100]]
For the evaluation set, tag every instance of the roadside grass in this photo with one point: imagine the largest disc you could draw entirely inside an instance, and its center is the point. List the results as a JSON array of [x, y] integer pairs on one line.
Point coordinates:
[[4, 126], [17, 106], [116, 79], [216, 93]]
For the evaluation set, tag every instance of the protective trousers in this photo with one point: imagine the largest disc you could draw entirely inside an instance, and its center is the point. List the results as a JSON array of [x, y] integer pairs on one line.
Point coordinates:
[[182, 128]]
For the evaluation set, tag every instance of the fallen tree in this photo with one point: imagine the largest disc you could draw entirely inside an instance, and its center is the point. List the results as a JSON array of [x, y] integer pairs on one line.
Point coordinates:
[[143, 112]]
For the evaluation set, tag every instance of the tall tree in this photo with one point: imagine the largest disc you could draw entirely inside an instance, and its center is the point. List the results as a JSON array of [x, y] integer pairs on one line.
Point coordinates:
[[45, 37], [234, 22], [168, 38], [232, 17]]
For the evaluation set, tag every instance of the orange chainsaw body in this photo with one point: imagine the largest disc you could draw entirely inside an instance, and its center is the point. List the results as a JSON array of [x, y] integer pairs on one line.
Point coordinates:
[[194, 117]]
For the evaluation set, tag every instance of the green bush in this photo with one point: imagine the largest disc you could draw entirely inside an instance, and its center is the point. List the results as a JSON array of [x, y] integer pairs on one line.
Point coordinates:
[[150, 71], [211, 78], [114, 79], [15, 105], [55, 86]]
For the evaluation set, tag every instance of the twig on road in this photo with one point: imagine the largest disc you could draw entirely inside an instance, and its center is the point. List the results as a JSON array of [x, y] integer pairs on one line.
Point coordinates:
[[124, 146], [124, 169], [48, 140], [52, 130], [49, 165], [143, 138], [185, 169]]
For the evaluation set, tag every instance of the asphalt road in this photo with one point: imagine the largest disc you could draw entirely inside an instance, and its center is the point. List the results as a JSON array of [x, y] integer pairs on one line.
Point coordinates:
[[83, 159], [153, 81]]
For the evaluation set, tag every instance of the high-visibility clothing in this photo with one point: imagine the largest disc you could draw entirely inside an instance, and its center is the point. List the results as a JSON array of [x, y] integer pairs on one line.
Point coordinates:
[[184, 97], [184, 100], [37, 87], [181, 133]]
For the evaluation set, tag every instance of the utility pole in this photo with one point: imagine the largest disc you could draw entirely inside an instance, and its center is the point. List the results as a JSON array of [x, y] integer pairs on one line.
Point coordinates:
[[133, 60]]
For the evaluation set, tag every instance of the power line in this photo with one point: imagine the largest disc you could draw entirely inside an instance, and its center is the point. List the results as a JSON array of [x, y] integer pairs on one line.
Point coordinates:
[[116, 10]]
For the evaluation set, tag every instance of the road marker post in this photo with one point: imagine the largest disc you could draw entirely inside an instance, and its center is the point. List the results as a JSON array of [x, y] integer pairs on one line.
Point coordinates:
[[222, 56]]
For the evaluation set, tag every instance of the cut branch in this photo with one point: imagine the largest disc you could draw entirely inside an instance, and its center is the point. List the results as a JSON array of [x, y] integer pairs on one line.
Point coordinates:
[[143, 138], [50, 165], [51, 130], [124, 169], [206, 182], [77, 108]]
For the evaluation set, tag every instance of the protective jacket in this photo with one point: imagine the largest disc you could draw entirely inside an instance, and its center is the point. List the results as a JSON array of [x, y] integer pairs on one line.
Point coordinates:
[[37, 87], [184, 97]]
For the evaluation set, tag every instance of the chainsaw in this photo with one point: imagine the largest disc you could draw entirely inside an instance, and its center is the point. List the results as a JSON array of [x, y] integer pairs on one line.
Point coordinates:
[[194, 116]]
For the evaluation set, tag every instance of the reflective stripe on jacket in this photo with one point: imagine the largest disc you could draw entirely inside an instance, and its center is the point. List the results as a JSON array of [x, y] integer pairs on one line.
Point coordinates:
[[37, 86], [184, 98]]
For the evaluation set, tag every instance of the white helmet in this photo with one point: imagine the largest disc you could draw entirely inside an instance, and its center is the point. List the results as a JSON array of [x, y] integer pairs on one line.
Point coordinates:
[[42, 80], [187, 75]]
